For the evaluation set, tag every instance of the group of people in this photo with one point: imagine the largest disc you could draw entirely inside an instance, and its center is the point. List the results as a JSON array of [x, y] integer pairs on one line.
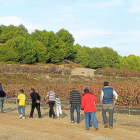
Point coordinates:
[[85, 102], [36, 104]]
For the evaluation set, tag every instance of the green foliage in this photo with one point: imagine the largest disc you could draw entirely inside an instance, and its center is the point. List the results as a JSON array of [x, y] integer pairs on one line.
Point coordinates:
[[68, 40], [56, 50], [11, 31], [18, 46], [41, 52], [7, 52]]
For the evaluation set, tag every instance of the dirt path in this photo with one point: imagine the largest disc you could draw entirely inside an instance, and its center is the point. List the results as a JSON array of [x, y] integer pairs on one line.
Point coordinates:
[[13, 128]]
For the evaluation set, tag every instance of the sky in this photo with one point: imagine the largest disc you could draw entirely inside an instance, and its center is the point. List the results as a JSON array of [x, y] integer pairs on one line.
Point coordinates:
[[93, 23]]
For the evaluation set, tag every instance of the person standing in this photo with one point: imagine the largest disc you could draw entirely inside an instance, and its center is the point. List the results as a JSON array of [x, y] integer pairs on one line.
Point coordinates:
[[88, 104], [35, 103], [106, 99], [2, 96], [1, 87], [75, 101], [21, 100], [90, 122], [51, 96], [58, 107]]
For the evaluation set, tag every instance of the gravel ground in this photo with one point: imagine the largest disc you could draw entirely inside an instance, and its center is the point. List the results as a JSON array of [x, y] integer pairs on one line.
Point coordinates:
[[13, 128]]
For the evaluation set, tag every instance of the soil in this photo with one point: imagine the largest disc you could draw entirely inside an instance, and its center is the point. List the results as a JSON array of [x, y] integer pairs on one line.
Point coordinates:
[[45, 128], [13, 128]]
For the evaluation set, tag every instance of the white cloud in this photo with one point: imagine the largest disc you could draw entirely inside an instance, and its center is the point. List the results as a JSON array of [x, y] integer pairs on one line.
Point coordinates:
[[16, 21], [88, 33], [134, 9], [11, 20]]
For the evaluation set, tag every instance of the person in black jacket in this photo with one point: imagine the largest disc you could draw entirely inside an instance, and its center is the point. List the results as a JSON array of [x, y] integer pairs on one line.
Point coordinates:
[[35, 103], [2, 95]]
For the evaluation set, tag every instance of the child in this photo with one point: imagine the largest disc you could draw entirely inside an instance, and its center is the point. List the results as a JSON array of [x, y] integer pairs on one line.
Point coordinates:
[[58, 107], [21, 100]]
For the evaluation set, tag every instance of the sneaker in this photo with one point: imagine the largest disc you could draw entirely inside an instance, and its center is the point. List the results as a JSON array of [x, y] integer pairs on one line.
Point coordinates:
[[23, 117], [20, 116], [96, 128], [86, 128], [62, 116], [30, 117], [106, 125], [72, 121], [111, 127]]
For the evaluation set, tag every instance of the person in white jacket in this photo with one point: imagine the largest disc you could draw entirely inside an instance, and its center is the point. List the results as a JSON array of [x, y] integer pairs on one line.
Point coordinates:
[[58, 107]]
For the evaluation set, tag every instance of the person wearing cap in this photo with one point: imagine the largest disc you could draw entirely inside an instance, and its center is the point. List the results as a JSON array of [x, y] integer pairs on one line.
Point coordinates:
[[106, 99], [75, 101], [88, 104], [90, 122]]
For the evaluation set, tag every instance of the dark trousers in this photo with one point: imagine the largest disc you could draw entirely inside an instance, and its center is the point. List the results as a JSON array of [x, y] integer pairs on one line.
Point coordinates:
[[51, 111], [37, 105]]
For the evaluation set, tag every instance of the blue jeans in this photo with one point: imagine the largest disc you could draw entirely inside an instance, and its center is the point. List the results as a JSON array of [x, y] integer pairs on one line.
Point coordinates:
[[92, 114], [23, 110], [1, 103], [73, 106]]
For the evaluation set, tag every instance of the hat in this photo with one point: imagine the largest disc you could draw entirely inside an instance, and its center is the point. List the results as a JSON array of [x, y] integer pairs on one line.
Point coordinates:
[[85, 87]]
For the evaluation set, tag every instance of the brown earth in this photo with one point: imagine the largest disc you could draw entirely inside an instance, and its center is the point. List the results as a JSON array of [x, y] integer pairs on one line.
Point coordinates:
[[13, 128]]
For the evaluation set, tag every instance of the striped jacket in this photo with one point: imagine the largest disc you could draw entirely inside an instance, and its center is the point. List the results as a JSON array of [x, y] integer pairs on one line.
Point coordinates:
[[57, 102], [75, 97]]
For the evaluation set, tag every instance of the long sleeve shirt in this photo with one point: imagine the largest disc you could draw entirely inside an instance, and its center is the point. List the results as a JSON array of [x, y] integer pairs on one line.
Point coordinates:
[[75, 97], [88, 103], [35, 96], [51, 95], [108, 96]]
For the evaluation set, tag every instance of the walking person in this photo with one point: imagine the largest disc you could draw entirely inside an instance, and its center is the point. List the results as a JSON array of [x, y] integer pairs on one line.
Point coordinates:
[[21, 101], [58, 107], [75, 101], [88, 104], [35, 103], [106, 99], [51, 96], [2, 96]]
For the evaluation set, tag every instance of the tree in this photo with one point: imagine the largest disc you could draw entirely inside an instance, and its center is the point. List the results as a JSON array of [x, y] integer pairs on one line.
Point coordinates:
[[56, 50], [41, 51], [7, 52], [68, 40], [18, 50], [11, 31], [81, 56]]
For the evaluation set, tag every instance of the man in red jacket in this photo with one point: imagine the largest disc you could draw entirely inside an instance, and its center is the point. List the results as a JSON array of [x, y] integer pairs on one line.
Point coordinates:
[[88, 104]]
